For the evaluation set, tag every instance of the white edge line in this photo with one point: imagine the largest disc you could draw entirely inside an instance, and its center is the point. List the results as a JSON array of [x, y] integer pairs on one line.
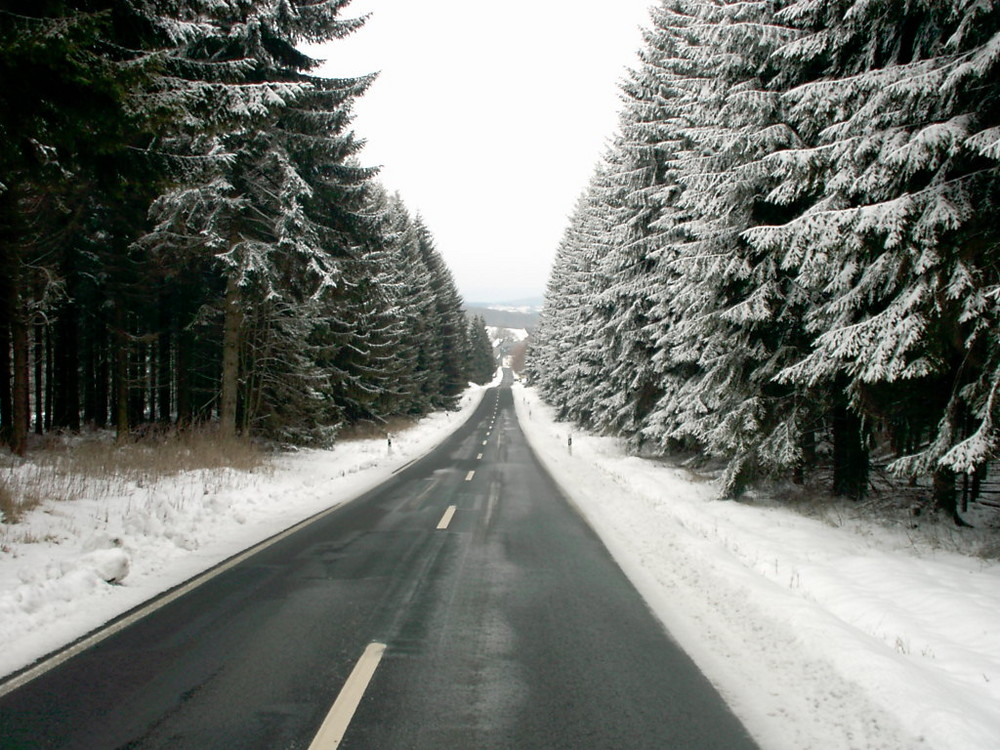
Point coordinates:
[[334, 726], [406, 465], [446, 518], [145, 610]]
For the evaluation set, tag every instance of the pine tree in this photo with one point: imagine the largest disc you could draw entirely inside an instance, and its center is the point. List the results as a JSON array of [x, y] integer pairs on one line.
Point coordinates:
[[447, 326], [564, 354], [273, 215], [716, 312], [74, 101], [482, 364], [268, 292], [408, 299], [632, 190], [893, 242]]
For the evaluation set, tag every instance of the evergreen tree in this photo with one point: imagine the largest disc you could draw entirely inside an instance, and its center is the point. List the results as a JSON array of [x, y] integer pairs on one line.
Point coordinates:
[[730, 320], [268, 292], [274, 215], [445, 354], [564, 353], [634, 196], [791, 242], [894, 242], [77, 102], [408, 298], [481, 362]]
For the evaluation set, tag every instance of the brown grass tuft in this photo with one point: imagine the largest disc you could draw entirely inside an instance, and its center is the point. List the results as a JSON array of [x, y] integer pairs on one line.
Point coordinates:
[[375, 430], [10, 510], [94, 465]]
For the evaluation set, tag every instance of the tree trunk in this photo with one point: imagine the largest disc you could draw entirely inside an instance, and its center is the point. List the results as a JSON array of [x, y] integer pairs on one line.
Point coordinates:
[[66, 394], [102, 377], [121, 376], [19, 343], [39, 357], [137, 383], [66, 332], [807, 444], [152, 371], [6, 406], [232, 324], [978, 474], [49, 381], [88, 381], [850, 454], [182, 367], [163, 360], [945, 497]]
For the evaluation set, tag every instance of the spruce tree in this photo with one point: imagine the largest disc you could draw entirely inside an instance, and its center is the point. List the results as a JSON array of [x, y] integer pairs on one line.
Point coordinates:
[[894, 243], [482, 364], [273, 212]]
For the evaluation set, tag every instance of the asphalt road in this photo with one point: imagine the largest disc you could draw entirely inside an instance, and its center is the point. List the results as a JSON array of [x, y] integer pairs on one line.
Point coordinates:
[[510, 628]]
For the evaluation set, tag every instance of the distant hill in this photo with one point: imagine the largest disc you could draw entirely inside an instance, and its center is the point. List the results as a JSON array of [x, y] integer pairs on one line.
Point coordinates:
[[515, 314]]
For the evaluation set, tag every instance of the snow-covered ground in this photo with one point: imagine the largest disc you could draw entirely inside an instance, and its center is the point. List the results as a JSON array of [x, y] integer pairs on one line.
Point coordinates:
[[823, 635], [500, 334], [827, 634], [68, 567], [526, 309]]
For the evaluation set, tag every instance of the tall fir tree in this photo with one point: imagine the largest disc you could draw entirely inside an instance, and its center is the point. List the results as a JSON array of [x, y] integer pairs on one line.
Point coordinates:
[[894, 245]]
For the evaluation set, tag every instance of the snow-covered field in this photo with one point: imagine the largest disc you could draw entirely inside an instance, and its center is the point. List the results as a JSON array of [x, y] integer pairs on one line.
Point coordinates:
[[821, 634], [827, 634], [499, 334]]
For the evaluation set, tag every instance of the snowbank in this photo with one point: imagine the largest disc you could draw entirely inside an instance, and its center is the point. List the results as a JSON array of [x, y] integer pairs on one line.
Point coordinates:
[[66, 568], [818, 636]]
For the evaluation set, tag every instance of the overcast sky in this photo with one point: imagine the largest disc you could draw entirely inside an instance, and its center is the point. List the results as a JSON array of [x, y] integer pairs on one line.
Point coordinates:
[[488, 119]]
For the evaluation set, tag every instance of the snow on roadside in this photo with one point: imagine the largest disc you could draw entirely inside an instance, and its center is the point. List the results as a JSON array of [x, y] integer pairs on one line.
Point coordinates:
[[818, 636], [72, 566]]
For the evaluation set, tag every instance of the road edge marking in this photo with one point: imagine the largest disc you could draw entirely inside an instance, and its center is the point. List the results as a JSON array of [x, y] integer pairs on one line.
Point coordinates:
[[334, 727], [50, 662]]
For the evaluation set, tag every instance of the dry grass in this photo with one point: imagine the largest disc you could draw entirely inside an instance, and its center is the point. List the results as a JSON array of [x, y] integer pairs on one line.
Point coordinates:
[[162, 455], [65, 469], [10, 510], [375, 430]]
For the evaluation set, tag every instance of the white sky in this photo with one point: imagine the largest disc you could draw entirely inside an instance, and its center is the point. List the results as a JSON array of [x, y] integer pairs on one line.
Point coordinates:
[[488, 118]]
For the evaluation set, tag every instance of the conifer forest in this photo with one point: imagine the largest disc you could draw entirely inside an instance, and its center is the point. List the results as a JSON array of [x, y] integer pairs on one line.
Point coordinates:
[[788, 259], [188, 234]]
